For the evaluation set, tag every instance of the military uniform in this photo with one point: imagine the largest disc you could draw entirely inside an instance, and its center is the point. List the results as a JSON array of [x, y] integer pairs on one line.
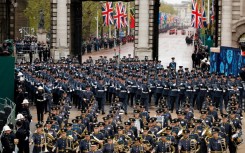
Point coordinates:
[[7, 140]]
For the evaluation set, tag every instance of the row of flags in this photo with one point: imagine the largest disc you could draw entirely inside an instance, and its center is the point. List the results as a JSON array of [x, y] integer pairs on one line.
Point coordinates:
[[198, 16], [165, 18], [117, 16]]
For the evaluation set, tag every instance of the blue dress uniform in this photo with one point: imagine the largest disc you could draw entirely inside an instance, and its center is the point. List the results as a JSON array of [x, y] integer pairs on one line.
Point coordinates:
[[101, 95], [159, 90], [152, 87], [202, 93], [163, 146], [137, 148], [147, 137], [145, 94], [172, 64], [108, 147], [184, 143], [173, 96], [85, 145], [215, 144], [218, 95], [38, 140], [123, 95], [189, 93], [182, 89], [133, 89]]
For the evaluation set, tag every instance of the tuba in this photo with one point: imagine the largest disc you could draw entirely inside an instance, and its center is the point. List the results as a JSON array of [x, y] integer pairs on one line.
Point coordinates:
[[170, 147], [194, 146], [69, 140]]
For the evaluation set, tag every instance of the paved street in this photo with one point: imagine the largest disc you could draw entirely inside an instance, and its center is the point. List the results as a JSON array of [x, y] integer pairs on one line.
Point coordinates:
[[169, 46]]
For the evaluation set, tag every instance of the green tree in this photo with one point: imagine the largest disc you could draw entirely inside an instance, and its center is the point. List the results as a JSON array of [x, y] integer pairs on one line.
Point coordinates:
[[32, 13], [167, 8], [89, 14]]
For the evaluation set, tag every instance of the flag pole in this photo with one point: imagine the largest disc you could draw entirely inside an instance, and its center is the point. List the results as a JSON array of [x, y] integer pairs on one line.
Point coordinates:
[[208, 13], [97, 25], [128, 17], [109, 30]]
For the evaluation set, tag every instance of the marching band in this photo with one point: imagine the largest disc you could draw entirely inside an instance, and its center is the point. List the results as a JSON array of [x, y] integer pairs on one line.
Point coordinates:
[[88, 87]]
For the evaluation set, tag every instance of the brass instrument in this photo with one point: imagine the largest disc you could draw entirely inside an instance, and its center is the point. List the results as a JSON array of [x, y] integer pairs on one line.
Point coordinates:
[[98, 140], [223, 145], [161, 131], [170, 147], [194, 146], [45, 143], [69, 140]]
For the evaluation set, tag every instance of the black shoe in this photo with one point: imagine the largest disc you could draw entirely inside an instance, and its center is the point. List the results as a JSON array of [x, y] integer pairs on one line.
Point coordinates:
[[103, 113], [126, 113]]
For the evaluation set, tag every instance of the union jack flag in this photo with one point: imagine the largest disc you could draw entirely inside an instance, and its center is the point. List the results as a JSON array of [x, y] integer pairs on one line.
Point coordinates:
[[203, 17], [196, 16], [125, 16], [107, 13], [118, 17]]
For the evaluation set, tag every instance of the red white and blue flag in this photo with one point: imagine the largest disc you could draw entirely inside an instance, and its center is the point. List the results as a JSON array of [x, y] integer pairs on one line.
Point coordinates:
[[107, 13], [125, 16], [119, 15], [196, 16], [203, 17]]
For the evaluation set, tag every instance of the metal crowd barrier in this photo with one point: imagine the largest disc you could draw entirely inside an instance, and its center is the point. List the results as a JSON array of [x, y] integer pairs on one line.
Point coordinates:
[[11, 117]]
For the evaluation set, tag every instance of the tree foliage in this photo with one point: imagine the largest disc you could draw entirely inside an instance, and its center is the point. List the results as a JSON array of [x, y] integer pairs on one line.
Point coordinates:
[[32, 13], [167, 8], [89, 14]]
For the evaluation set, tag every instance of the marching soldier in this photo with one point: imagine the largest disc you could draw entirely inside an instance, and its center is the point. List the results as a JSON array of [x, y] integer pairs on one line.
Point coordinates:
[[146, 136], [94, 147], [144, 98], [137, 147], [38, 139], [62, 143], [40, 103], [185, 142], [172, 64], [123, 94], [128, 131], [173, 95], [108, 147], [163, 145], [216, 144], [100, 95], [85, 144], [7, 140], [159, 89]]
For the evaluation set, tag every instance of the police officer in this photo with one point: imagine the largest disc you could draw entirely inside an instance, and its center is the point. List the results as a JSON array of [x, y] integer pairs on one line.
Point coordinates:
[[7, 140]]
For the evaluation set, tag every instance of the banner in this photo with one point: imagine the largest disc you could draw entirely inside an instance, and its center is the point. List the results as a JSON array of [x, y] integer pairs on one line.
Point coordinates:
[[230, 60], [214, 62]]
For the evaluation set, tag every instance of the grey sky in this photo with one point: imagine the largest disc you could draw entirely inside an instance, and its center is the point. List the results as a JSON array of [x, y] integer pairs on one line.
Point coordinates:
[[173, 1]]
